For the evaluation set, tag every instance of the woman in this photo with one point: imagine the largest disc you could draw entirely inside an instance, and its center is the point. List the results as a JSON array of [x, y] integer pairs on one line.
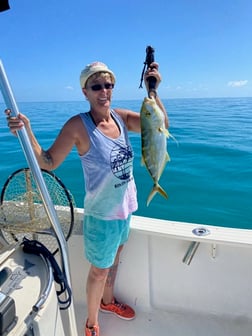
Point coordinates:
[[101, 138]]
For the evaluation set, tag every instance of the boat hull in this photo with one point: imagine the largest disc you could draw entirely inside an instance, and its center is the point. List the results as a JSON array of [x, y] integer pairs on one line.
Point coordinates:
[[212, 295]]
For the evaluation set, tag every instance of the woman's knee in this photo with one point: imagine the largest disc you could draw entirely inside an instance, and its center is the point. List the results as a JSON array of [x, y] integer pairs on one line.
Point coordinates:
[[98, 274]]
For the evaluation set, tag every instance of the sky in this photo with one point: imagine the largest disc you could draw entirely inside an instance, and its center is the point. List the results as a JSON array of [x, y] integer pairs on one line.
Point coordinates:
[[203, 47]]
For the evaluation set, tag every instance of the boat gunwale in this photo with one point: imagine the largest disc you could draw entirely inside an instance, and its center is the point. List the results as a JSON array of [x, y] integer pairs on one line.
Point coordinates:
[[181, 230]]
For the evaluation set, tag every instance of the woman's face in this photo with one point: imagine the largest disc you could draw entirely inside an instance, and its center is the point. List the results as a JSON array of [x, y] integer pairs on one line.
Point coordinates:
[[98, 90]]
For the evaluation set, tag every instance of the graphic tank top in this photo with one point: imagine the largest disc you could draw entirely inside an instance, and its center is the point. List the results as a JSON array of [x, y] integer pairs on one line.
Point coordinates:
[[108, 172]]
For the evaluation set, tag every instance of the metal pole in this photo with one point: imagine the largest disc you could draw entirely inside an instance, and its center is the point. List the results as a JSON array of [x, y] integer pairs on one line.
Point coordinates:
[[190, 252], [49, 207]]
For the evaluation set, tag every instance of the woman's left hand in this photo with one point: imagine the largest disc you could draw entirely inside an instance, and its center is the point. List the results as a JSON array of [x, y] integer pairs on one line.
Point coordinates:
[[152, 71]]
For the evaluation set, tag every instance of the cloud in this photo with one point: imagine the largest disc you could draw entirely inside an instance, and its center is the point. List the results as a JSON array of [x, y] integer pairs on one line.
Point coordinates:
[[238, 83], [69, 87]]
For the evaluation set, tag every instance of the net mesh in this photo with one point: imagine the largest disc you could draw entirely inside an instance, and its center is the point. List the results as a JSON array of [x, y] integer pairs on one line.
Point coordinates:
[[22, 210]]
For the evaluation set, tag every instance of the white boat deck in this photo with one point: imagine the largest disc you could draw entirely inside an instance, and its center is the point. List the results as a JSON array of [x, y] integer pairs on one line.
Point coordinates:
[[168, 323]]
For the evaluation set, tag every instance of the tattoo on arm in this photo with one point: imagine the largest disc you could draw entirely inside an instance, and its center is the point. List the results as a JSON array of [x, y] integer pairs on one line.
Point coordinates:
[[47, 157]]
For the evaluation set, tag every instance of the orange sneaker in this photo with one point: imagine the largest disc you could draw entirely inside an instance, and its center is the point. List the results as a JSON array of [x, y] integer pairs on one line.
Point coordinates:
[[121, 310], [93, 331]]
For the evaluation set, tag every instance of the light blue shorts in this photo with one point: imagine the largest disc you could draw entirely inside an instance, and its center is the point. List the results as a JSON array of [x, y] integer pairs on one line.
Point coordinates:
[[102, 239]]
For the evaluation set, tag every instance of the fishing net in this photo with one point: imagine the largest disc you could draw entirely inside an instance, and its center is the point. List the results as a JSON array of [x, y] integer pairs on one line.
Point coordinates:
[[22, 211]]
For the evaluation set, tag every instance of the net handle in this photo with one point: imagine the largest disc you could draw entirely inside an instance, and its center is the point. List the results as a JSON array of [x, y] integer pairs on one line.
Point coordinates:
[[33, 164]]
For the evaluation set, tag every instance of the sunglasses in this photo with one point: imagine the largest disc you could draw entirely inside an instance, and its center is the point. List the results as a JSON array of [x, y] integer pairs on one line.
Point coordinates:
[[98, 87]]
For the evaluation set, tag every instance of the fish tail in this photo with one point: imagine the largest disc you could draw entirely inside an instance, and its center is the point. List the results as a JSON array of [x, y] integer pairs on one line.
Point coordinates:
[[156, 189]]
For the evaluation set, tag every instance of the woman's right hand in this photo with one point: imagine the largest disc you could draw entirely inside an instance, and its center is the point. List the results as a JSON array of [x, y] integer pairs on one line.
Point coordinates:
[[16, 123]]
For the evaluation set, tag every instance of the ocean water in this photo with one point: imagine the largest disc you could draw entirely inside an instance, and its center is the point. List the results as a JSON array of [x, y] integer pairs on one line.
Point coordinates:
[[209, 177]]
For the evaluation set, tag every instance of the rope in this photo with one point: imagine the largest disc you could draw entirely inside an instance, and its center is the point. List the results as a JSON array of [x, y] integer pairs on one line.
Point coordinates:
[[37, 248]]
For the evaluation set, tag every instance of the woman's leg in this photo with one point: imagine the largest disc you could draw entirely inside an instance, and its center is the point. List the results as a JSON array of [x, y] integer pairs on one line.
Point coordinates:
[[108, 293], [95, 287]]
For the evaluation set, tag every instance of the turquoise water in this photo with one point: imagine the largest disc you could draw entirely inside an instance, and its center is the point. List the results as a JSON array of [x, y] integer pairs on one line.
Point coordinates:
[[209, 178]]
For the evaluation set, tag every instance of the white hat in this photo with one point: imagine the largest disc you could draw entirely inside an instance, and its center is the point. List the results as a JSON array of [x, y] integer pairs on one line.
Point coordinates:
[[91, 69]]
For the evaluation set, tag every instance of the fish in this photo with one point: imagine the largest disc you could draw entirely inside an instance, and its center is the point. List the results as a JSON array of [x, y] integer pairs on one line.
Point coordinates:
[[154, 136]]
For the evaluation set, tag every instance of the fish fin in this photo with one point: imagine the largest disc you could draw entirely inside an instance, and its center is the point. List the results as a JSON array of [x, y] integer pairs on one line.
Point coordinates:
[[167, 157], [169, 135], [165, 131], [156, 189]]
